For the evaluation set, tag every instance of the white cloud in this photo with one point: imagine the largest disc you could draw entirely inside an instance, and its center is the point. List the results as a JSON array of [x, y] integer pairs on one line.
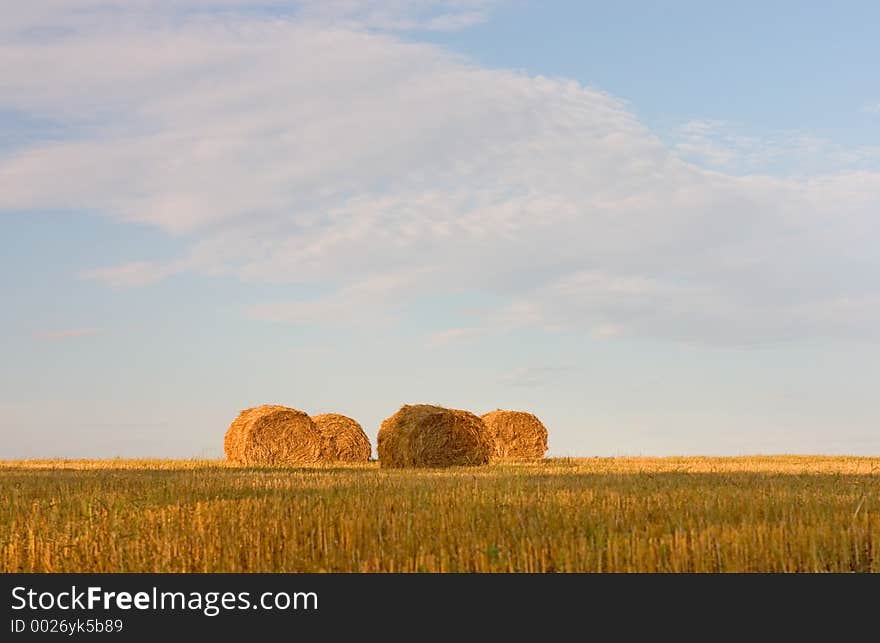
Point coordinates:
[[35, 19], [726, 146], [135, 273], [746, 313], [66, 333], [373, 299], [400, 15], [291, 150], [534, 376], [453, 335]]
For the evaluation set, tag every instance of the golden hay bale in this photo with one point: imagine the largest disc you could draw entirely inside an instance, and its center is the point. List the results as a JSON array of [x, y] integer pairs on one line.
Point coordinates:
[[515, 436], [344, 439], [272, 435], [432, 436]]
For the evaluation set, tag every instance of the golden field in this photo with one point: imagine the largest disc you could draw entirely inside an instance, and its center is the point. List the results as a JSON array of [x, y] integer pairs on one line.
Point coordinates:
[[687, 514]]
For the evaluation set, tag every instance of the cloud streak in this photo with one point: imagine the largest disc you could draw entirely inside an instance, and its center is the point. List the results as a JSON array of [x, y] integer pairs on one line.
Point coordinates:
[[67, 333], [454, 335], [533, 376], [285, 148], [725, 146]]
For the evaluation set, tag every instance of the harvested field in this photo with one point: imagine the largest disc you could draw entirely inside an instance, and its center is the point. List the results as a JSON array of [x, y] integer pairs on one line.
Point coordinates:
[[785, 513]]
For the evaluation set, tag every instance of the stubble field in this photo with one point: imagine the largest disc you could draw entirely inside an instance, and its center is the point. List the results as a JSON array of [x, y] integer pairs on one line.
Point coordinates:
[[753, 514]]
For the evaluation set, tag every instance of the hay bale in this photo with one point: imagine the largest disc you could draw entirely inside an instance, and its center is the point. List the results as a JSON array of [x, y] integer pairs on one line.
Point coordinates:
[[432, 436], [343, 439], [273, 435], [516, 436]]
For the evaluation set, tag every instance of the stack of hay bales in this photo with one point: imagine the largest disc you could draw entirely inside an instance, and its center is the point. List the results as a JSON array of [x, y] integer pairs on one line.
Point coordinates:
[[516, 436], [419, 435], [273, 435], [343, 438], [422, 435]]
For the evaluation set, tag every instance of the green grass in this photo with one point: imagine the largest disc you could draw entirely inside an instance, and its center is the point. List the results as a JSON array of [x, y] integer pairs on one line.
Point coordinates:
[[685, 514]]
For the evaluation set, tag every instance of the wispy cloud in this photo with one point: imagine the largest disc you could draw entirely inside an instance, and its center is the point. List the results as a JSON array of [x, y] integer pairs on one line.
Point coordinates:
[[534, 376], [370, 300], [872, 108], [727, 146], [417, 15], [33, 18], [308, 148], [135, 273], [453, 335], [67, 333]]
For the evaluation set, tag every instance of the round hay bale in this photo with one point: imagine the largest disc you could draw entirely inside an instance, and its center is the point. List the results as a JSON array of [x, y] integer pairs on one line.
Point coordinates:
[[422, 435], [343, 439], [272, 435], [516, 436]]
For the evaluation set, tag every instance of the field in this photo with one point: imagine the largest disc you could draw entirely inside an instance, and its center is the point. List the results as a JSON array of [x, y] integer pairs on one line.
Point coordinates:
[[779, 514]]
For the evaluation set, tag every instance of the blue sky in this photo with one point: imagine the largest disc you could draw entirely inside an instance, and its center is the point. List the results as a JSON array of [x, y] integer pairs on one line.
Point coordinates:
[[768, 65], [654, 226]]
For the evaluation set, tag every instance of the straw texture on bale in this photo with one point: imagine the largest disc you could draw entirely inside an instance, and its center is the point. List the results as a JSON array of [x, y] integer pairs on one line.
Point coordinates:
[[516, 436], [343, 438], [432, 436], [273, 435]]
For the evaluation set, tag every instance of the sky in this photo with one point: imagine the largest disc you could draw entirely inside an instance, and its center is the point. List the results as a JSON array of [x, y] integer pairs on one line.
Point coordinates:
[[655, 225]]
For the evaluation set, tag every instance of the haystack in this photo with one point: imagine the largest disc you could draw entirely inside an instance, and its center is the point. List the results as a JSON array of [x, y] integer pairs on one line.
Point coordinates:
[[432, 436], [273, 435], [343, 439], [516, 436]]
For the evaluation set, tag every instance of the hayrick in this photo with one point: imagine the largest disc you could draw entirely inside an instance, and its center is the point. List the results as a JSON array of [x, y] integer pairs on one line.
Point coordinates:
[[90, 598]]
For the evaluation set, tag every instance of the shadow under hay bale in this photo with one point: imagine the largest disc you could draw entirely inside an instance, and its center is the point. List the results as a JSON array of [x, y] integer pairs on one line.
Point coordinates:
[[516, 436], [422, 435], [343, 438], [274, 436]]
